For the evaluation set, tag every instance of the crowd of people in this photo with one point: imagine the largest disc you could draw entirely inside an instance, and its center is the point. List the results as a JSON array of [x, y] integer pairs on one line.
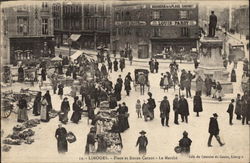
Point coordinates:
[[96, 87]]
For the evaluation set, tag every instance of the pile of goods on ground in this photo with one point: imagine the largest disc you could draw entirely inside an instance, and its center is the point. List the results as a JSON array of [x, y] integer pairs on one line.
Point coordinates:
[[21, 134], [106, 120], [53, 113]]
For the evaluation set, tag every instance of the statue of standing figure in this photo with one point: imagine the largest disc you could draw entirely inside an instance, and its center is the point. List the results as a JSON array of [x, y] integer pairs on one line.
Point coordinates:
[[212, 24]]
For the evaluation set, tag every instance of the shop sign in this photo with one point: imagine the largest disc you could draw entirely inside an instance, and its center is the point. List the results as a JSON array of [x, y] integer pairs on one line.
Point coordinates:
[[130, 23], [172, 6], [173, 23], [134, 7]]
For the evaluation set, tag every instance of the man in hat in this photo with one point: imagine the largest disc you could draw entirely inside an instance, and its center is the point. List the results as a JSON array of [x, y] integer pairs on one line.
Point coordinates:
[[142, 141], [212, 24], [185, 143], [164, 109], [230, 111], [214, 130]]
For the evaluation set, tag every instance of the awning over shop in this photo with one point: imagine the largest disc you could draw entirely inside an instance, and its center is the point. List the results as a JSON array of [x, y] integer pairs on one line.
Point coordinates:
[[77, 54], [75, 37]]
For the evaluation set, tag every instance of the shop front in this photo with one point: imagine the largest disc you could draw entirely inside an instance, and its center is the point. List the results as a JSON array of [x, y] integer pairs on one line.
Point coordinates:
[[31, 48], [175, 46]]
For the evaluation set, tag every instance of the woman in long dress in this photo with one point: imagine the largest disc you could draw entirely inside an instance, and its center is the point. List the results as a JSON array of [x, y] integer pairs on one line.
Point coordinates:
[[61, 135], [76, 116], [37, 104], [65, 110], [44, 110], [22, 111]]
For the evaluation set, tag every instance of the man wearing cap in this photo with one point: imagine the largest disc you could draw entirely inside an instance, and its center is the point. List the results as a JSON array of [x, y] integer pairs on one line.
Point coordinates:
[[142, 141], [230, 111], [214, 130], [212, 24], [185, 143], [176, 109], [164, 109]]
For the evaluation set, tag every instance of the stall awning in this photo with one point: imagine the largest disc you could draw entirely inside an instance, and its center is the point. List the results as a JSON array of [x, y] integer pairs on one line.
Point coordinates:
[[75, 37], [77, 54]]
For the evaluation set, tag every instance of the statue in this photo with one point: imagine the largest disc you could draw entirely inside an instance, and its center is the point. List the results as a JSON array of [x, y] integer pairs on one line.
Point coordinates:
[[212, 24]]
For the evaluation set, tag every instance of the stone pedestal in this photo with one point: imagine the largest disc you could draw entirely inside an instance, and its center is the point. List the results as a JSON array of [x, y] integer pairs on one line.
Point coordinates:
[[211, 63]]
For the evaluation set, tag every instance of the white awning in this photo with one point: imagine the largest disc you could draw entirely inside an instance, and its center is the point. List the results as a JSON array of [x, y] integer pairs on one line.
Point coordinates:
[[75, 37], [77, 54]]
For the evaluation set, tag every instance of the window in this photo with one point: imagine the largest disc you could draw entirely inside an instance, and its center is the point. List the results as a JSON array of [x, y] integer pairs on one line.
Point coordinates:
[[117, 16], [156, 14], [184, 31], [183, 14], [45, 26], [22, 25], [156, 32]]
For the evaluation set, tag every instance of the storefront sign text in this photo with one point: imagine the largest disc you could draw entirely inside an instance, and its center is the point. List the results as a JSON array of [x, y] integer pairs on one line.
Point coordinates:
[[173, 23], [172, 6], [130, 23]]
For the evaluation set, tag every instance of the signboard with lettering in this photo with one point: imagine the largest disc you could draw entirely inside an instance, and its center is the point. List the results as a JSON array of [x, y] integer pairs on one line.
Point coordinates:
[[174, 23], [130, 23], [172, 6], [134, 7]]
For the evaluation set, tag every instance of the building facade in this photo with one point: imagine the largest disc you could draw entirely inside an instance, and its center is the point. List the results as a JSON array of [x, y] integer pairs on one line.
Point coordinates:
[[240, 20], [151, 28], [28, 32], [86, 24]]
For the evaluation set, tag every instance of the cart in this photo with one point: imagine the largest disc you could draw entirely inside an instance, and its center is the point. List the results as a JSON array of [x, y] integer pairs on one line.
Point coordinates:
[[7, 108], [137, 72]]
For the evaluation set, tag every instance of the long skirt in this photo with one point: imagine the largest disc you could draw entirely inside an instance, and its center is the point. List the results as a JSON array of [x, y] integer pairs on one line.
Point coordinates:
[[76, 116], [44, 114], [142, 150], [22, 115], [62, 145]]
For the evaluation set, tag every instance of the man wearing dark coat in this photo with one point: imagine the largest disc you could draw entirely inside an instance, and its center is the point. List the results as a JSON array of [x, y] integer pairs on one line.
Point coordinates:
[[212, 24], [156, 66], [184, 109], [115, 65], [230, 111], [48, 98], [61, 135], [122, 64], [118, 88], [77, 111], [127, 82], [151, 65], [60, 90], [142, 141], [197, 104], [238, 109], [164, 110], [43, 73], [214, 130], [20, 74], [208, 85], [176, 109], [185, 143]]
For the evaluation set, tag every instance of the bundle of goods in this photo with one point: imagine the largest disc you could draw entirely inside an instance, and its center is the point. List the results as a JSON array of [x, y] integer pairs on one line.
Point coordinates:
[[12, 142], [31, 123], [104, 105], [19, 128], [114, 143], [28, 140], [53, 113], [21, 135], [71, 138], [6, 148]]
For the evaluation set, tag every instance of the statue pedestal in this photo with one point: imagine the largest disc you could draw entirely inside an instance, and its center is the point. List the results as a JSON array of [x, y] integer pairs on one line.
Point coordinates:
[[211, 63]]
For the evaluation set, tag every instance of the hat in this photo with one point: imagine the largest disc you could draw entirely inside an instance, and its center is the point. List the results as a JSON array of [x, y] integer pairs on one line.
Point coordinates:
[[215, 115], [185, 133], [165, 97], [142, 132]]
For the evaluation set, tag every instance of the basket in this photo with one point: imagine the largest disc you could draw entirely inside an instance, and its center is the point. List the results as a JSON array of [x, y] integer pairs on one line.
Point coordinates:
[[71, 138], [177, 149]]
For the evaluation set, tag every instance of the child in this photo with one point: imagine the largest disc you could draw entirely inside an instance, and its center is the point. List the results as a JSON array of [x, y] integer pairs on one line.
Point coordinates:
[[138, 108]]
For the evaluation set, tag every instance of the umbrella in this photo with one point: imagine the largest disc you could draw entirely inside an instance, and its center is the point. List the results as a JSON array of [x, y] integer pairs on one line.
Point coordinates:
[[56, 59]]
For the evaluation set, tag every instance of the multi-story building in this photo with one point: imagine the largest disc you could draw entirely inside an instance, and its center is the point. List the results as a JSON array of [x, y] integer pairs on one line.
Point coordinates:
[[28, 32], [240, 20], [150, 28], [86, 24]]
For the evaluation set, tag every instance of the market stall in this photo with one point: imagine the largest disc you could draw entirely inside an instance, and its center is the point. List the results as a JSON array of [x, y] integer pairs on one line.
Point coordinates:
[[106, 122]]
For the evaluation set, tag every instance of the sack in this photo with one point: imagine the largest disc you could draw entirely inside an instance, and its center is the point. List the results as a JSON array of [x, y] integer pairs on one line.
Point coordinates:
[[177, 149], [71, 138]]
